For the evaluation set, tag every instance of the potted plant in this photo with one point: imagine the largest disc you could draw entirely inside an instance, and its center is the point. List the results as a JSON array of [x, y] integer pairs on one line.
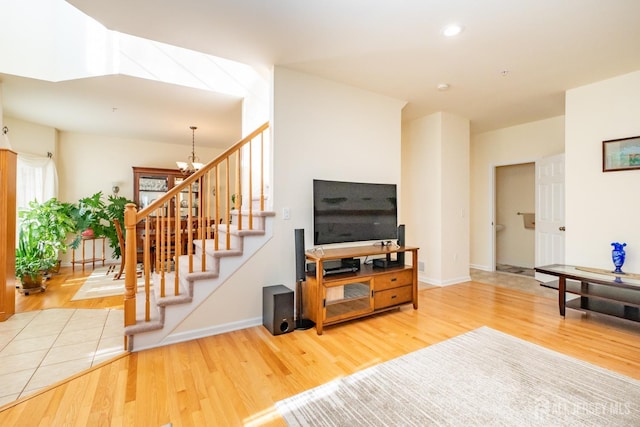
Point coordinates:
[[48, 225], [91, 217], [95, 214], [32, 259]]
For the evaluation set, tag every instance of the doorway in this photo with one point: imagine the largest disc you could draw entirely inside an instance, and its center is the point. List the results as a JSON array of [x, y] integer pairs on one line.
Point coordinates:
[[514, 218]]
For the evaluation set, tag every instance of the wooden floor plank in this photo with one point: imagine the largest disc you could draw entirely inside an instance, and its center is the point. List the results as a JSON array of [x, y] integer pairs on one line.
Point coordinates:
[[236, 378], [60, 289]]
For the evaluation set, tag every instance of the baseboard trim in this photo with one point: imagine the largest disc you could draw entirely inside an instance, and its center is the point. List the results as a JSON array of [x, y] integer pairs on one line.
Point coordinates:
[[210, 331], [435, 282], [482, 268]]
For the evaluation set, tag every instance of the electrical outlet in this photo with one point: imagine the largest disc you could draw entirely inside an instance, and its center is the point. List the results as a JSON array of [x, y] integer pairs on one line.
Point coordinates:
[[420, 266], [286, 213]]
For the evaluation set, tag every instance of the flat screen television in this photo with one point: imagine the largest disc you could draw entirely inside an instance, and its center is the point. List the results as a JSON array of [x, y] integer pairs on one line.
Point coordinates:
[[353, 212]]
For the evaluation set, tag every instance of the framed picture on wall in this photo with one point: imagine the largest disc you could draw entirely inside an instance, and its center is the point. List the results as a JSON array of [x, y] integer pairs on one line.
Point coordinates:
[[621, 154]]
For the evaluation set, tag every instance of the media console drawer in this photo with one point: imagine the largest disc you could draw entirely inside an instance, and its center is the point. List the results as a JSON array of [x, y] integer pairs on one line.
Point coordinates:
[[394, 279], [391, 297]]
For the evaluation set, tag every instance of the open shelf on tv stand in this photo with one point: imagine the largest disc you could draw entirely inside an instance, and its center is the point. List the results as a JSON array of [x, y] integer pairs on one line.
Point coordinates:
[[329, 299]]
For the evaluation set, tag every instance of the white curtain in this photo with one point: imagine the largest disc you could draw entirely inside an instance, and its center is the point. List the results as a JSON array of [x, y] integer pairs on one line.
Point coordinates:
[[36, 179]]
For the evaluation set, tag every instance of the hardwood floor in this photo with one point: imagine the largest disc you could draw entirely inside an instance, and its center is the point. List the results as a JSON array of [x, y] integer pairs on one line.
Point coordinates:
[[235, 378], [60, 289]]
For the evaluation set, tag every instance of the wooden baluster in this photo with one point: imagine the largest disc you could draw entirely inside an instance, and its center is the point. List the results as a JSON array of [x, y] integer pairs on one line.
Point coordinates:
[[177, 245], [250, 185], [189, 228], [262, 171], [162, 250], [238, 203], [217, 210], [227, 208]]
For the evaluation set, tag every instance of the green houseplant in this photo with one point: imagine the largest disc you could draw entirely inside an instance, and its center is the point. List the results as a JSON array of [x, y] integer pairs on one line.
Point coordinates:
[[95, 214], [32, 258], [90, 215], [44, 228], [43, 233]]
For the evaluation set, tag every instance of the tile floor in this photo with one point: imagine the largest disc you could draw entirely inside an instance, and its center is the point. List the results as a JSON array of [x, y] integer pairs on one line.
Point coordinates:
[[514, 269], [40, 348], [520, 282]]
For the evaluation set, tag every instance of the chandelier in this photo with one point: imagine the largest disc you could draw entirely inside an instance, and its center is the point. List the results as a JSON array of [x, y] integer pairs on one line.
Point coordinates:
[[193, 162]]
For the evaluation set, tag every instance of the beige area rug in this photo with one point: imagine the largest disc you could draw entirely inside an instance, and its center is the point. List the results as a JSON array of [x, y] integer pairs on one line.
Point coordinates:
[[101, 284], [480, 378]]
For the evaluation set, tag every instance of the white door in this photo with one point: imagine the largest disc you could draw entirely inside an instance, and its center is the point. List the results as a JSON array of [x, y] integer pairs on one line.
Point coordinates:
[[549, 213]]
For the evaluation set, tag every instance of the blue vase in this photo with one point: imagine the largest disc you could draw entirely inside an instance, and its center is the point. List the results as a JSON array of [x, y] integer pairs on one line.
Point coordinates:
[[618, 254]]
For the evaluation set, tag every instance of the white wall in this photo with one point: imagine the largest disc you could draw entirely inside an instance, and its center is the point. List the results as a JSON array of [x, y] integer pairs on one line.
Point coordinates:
[[455, 199], [90, 163], [435, 178], [422, 192], [321, 129], [601, 208], [32, 138], [517, 144]]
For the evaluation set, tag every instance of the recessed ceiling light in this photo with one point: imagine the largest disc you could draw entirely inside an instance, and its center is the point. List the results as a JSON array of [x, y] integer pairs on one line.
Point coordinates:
[[443, 86], [452, 30]]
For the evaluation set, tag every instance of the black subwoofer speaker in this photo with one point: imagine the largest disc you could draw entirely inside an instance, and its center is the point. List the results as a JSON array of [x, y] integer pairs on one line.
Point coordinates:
[[277, 309]]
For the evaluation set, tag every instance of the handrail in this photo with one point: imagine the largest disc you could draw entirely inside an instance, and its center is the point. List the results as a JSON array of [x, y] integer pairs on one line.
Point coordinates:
[[177, 220]]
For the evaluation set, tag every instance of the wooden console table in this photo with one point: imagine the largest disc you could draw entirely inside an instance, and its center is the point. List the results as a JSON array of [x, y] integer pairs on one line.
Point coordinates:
[[600, 291], [84, 260], [333, 298]]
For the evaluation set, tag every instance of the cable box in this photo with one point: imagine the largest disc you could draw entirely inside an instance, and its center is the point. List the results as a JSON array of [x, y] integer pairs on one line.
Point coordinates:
[[385, 263], [336, 266]]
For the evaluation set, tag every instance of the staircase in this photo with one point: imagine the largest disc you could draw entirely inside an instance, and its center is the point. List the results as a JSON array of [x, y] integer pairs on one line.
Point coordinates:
[[186, 258]]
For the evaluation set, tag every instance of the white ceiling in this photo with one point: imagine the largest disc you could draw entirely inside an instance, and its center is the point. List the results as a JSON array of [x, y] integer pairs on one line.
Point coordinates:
[[512, 64], [125, 107]]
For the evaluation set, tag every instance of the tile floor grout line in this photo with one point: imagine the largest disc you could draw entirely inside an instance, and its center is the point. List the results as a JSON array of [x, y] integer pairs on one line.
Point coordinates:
[[104, 325], [38, 317], [24, 389]]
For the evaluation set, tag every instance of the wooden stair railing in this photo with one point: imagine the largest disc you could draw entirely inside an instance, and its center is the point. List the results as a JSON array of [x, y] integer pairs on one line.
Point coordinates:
[[167, 234]]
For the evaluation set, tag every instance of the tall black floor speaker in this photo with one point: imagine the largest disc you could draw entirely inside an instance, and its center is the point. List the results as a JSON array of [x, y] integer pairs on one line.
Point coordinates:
[[277, 309], [301, 322], [401, 242]]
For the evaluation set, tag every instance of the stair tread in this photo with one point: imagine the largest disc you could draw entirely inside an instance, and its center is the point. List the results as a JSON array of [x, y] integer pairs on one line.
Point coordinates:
[[184, 295], [197, 273], [141, 325]]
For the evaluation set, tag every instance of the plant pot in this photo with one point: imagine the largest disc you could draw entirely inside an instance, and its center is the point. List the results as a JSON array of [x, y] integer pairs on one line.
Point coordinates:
[[55, 269], [30, 284]]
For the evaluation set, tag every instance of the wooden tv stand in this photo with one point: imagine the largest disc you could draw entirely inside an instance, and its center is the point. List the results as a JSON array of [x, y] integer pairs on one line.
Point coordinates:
[[333, 298]]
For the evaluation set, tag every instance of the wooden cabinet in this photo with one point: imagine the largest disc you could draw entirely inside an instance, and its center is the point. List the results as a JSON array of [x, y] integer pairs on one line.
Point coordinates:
[[151, 183], [8, 161], [393, 288], [333, 298], [344, 299]]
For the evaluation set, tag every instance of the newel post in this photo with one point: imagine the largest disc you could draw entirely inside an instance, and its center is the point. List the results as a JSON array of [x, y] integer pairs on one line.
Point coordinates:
[[130, 279]]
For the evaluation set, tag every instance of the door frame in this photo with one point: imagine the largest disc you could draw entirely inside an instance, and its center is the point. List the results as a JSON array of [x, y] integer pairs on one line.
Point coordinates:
[[492, 205]]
